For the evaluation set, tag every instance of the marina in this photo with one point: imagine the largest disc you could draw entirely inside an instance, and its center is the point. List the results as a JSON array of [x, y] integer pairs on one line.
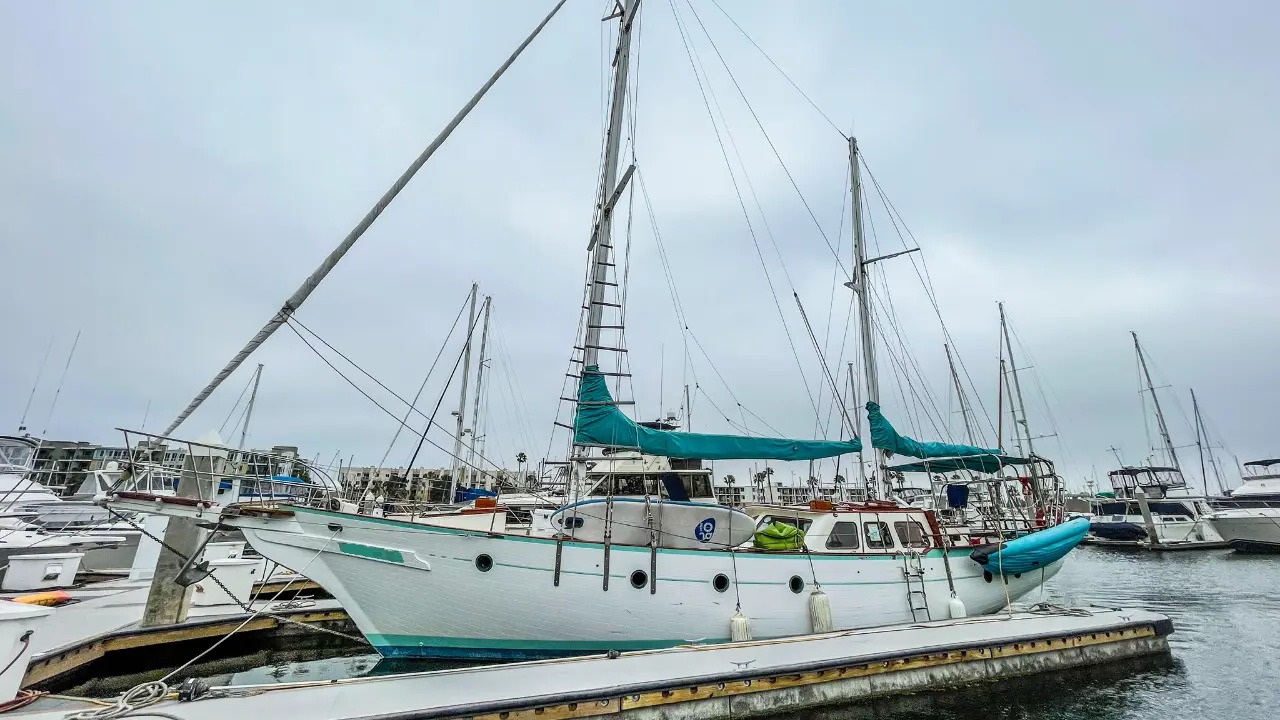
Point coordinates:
[[909, 520]]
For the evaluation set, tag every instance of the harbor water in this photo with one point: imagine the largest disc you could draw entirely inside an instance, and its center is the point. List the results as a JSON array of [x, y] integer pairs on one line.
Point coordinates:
[[1226, 650]]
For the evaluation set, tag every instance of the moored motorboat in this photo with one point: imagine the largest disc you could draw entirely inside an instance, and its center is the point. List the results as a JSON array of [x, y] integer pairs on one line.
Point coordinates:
[[1249, 530]]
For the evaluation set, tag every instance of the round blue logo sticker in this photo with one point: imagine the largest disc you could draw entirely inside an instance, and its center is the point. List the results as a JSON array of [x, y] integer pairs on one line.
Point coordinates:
[[705, 530]]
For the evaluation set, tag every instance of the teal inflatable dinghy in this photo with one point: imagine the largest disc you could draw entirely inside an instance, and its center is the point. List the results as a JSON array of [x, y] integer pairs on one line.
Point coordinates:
[[1032, 551]]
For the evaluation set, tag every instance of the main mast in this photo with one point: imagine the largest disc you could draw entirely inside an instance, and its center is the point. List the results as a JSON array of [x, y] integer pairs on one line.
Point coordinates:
[[1164, 429], [601, 245], [858, 283]]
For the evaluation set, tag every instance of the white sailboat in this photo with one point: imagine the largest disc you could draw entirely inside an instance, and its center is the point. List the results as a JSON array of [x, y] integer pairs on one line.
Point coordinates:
[[1152, 506], [639, 566]]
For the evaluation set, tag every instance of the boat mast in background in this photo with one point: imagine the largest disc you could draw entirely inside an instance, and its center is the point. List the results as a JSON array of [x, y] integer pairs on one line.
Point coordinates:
[[248, 411], [964, 401], [54, 404], [1018, 411], [475, 407], [1155, 399], [22, 423], [455, 465], [1202, 443]]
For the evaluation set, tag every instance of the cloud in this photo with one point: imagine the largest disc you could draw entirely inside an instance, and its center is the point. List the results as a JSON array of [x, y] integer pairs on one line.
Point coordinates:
[[171, 173]]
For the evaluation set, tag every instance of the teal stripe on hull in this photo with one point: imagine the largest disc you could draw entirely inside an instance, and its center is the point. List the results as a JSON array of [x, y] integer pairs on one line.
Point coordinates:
[[433, 646], [371, 552]]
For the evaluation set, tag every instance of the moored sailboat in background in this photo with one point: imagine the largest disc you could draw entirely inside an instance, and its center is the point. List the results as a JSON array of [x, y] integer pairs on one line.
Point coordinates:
[[1152, 506]]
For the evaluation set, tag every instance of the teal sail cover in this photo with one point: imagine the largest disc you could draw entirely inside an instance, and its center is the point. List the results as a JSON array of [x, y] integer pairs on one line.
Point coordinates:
[[884, 437], [976, 463], [599, 422]]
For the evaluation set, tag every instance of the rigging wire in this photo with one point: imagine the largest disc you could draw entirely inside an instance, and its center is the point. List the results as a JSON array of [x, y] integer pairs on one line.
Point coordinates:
[[294, 324], [890, 317], [678, 305], [232, 411], [457, 318], [834, 252], [706, 91], [922, 273], [831, 304], [1044, 389], [782, 72]]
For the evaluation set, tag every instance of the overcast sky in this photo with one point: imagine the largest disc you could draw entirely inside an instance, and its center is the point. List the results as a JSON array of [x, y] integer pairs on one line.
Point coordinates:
[[170, 172]]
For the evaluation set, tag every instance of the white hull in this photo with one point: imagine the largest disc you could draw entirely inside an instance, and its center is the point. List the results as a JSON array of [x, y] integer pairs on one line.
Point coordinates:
[[419, 591], [1249, 530], [1179, 532]]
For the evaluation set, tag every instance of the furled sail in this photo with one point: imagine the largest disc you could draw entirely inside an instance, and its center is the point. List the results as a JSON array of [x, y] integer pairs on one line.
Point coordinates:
[[884, 437], [599, 422]]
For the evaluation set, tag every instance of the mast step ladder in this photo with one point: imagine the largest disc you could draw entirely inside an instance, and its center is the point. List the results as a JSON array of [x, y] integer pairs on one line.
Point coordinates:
[[913, 574]]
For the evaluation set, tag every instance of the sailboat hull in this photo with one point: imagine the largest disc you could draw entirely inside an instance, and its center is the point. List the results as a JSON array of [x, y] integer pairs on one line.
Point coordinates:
[[420, 591]]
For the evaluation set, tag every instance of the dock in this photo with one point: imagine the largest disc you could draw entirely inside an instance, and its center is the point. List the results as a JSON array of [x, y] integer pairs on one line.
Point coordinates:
[[104, 625], [752, 678]]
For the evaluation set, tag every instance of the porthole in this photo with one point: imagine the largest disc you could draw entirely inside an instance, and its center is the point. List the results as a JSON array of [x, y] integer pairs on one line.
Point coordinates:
[[720, 582], [639, 579], [796, 583], [484, 563]]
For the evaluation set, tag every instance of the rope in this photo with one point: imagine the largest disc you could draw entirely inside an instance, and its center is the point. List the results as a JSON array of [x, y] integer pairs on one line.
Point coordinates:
[[26, 643], [422, 435], [922, 274], [804, 201], [413, 405], [136, 698], [708, 100]]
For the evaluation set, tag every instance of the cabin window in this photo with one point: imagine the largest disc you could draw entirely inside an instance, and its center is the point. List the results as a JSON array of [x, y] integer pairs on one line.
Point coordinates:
[[801, 523], [697, 486], [1111, 508], [911, 534], [878, 535], [623, 485], [844, 536], [639, 485], [1170, 508]]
